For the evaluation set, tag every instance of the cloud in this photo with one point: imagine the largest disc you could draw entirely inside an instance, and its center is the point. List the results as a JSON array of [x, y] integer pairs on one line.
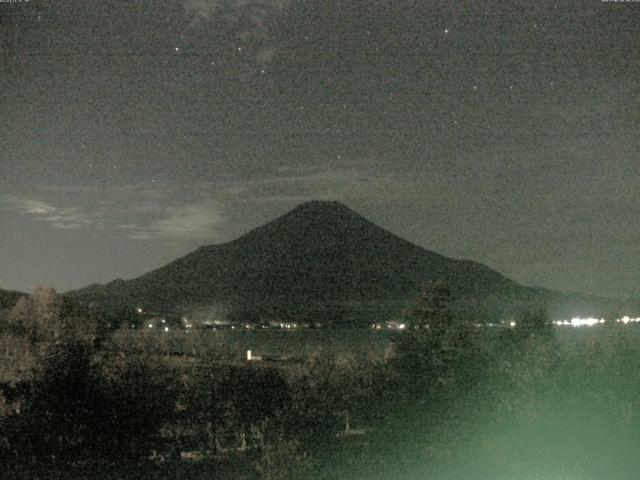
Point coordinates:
[[348, 185], [264, 56], [257, 10], [35, 207], [251, 18], [198, 221], [62, 218], [199, 10], [209, 210], [157, 212]]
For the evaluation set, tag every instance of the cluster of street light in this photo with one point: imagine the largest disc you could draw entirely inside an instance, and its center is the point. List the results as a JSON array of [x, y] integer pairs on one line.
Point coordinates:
[[590, 321], [573, 322]]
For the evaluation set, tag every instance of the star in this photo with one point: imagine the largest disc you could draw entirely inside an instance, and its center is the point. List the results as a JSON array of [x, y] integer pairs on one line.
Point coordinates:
[[446, 30]]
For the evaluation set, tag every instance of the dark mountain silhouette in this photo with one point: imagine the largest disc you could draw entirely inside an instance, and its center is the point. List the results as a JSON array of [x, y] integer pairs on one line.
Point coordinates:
[[320, 257]]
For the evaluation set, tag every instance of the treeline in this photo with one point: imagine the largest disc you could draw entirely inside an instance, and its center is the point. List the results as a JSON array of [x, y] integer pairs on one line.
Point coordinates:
[[446, 398], [47, 317]]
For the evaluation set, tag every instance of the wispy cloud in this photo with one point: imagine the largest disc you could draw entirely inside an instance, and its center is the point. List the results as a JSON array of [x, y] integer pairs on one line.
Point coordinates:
[[252, 17], [63, 218], [198, 221], [349, 185], [257, 10], [34, 207], [214, 211], [137, 212]]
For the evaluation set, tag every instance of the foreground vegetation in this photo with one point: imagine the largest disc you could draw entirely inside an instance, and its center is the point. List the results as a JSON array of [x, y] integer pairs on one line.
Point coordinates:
[[446, 400]]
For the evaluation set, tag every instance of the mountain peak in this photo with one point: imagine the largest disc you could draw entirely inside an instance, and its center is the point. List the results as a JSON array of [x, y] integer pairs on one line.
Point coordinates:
[[324, 210], [321, 207], [315, 221]]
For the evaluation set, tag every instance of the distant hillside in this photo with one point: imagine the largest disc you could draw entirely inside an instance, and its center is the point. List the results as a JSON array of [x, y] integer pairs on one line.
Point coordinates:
[[319, 257]]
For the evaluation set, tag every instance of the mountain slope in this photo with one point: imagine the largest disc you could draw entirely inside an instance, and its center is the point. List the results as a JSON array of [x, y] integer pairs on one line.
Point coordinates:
[[318, 254]]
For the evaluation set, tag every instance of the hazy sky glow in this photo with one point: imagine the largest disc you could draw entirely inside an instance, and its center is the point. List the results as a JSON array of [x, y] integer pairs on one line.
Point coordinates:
[[503, 132]]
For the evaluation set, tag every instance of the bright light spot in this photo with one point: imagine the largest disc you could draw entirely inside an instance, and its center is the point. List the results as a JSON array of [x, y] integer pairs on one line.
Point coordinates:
[[584, 322], [166, 329], [626, 320], [590, 321], [446, 30], [512, 323], [151, 325], [139, 309]]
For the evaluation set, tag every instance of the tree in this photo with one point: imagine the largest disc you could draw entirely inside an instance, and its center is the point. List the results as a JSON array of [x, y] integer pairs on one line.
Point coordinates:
[[441, 350], [431, 307], [18, 318], [236, 401], [73, 411], [534, 323], [45, 316], [283, 459]]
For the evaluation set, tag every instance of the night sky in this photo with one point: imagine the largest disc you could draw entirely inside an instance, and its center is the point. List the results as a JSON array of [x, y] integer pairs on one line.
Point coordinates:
[[504, 132]]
